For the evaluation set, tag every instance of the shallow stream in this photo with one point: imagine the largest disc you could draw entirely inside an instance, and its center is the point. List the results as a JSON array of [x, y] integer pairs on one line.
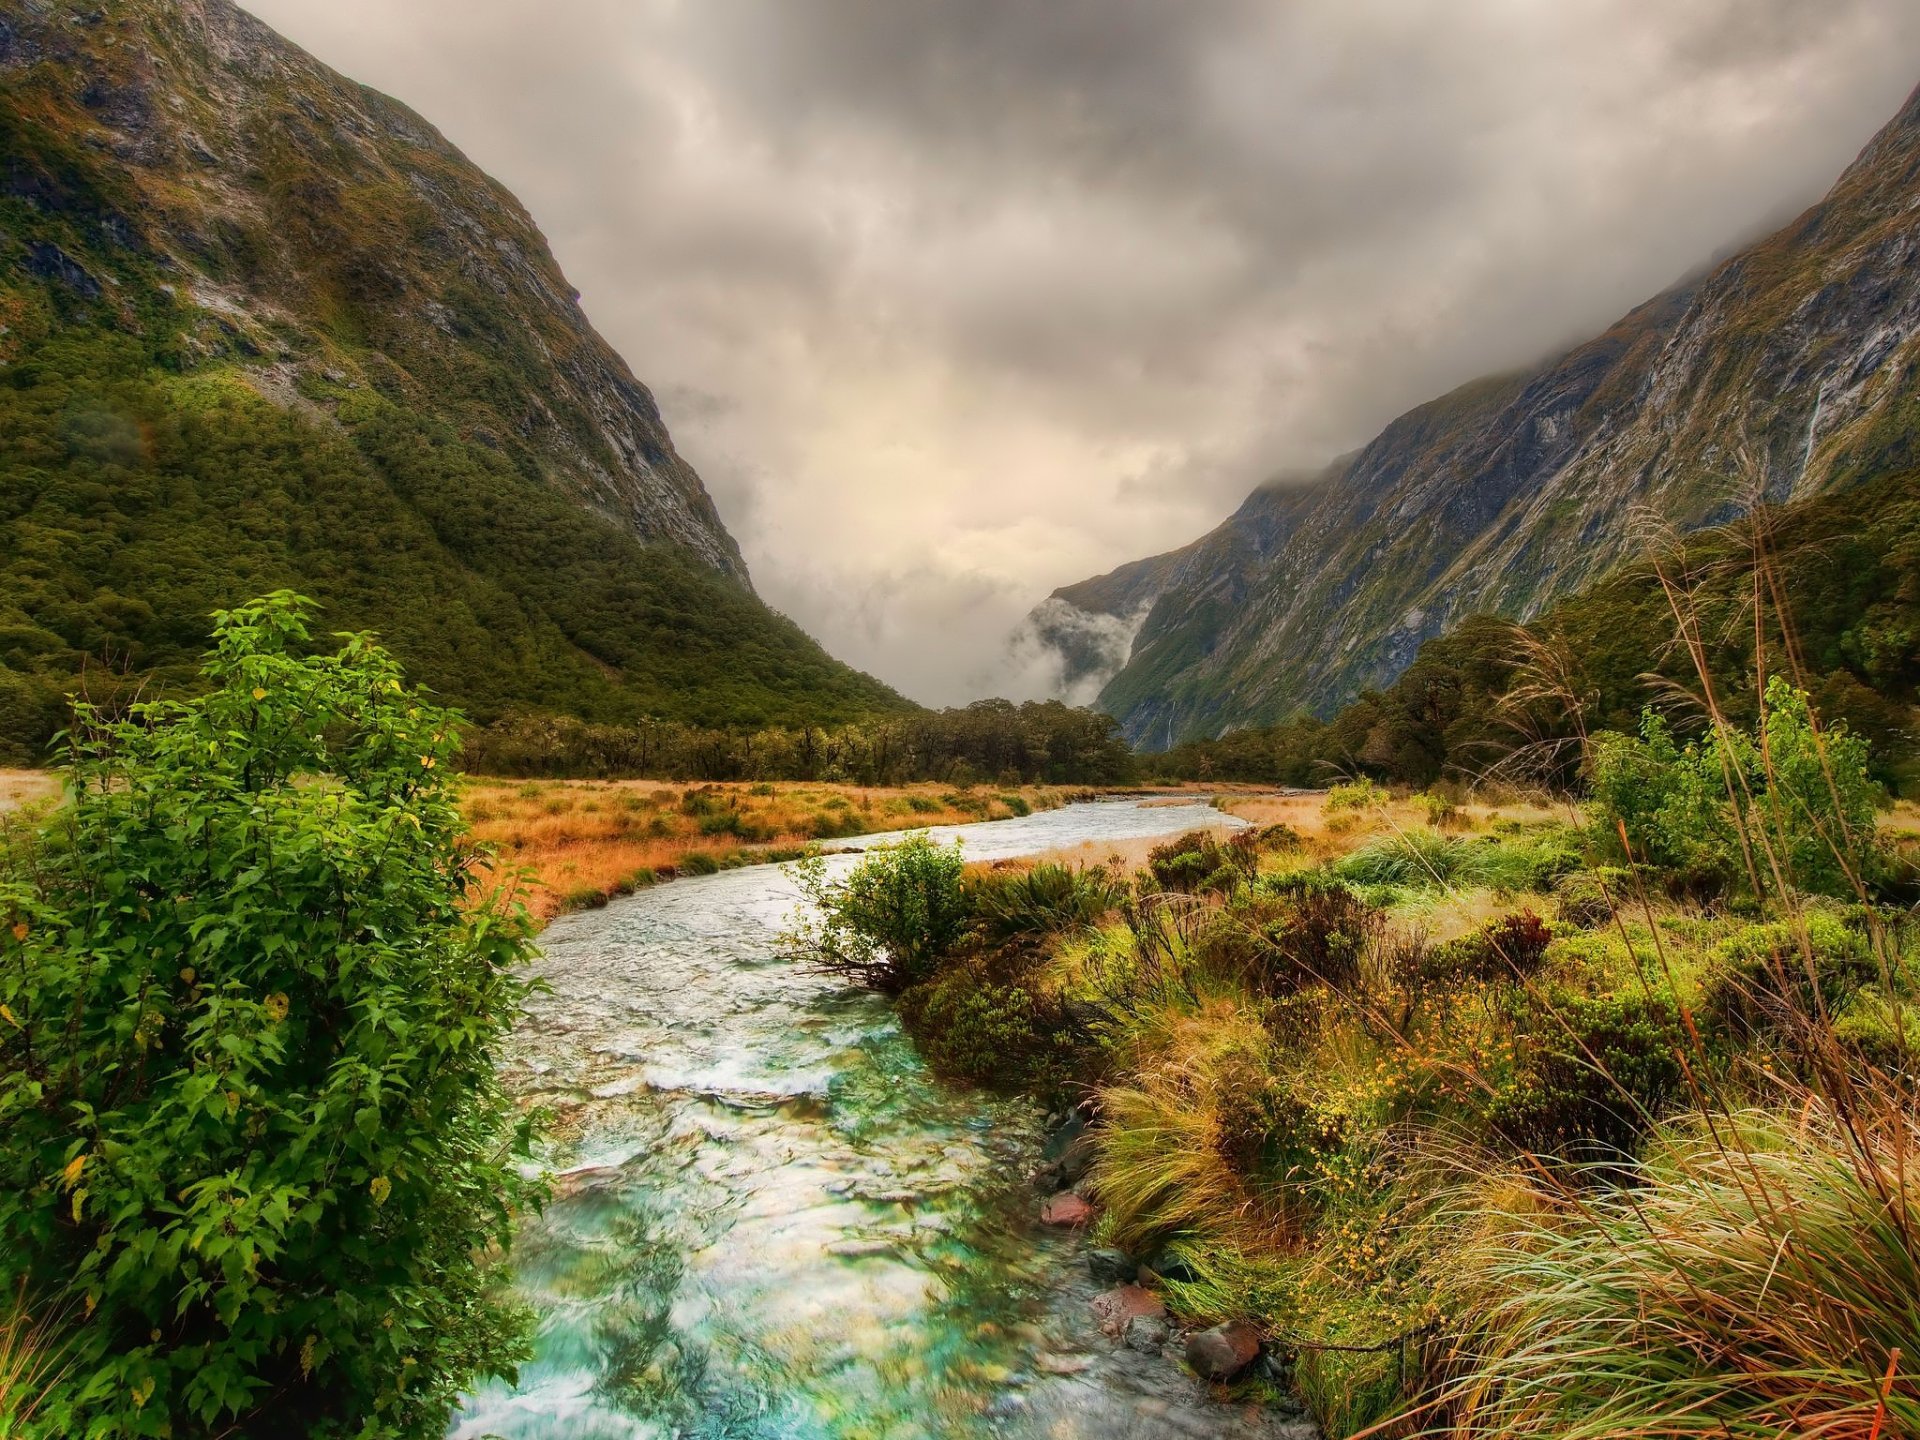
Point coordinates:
[[772, 1222]]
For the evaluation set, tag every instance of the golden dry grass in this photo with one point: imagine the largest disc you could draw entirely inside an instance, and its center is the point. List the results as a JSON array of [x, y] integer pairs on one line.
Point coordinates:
[[577, 842], [20, 787]]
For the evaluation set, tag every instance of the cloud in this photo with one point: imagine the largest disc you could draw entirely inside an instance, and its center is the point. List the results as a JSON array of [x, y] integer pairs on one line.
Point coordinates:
[[955, 301]]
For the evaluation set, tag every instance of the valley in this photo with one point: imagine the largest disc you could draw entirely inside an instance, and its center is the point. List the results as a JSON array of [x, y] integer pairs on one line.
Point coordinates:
[[1435, 955]]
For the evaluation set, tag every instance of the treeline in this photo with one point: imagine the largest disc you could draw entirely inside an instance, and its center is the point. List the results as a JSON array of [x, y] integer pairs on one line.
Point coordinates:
[[1833, 583], [988, 741]]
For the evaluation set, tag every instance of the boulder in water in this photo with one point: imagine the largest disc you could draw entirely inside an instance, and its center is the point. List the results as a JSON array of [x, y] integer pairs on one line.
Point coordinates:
[[1119, 1307], [1148, 1334], [1111, 1267], [1066, 1209], [1223, 1351]]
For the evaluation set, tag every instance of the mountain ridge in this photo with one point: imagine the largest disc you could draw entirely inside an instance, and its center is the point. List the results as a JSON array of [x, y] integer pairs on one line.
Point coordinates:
[[1510, 491], [264, 327]]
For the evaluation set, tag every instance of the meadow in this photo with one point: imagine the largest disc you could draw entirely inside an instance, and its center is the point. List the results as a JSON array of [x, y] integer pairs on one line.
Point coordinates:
[[576, 844]]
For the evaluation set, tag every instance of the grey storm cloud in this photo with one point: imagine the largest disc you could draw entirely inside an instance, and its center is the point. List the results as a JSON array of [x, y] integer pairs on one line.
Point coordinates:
[[954, 301]]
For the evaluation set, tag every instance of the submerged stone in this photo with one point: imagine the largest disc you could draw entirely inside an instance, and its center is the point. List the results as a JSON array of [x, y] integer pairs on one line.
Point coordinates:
[[1117, 1308], [1223, 1351], [1066, 1209]]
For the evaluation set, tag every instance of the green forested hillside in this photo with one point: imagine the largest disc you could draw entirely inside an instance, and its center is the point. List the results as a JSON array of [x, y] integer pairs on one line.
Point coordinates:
[[1834, 580], [262, 328]]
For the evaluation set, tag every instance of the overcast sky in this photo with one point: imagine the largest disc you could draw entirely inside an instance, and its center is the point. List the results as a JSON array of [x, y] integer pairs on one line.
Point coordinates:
[[955, 301]]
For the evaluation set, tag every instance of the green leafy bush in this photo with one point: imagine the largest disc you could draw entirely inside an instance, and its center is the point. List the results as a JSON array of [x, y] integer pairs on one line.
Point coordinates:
[[986, 1031], [249, 1002], [1513, 946], [1360, 794], [1198, 861], [1780, 978], [1795, 806], [1291, 932], [890, 923], [1596, 1072]]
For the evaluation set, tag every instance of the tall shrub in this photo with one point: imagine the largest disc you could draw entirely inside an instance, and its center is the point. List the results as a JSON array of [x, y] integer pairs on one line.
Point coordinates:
[[249, 1125], [890, 923], [1793, 803]]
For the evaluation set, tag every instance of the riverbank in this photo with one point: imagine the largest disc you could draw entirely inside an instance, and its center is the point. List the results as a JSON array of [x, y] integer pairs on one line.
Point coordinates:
[[770, 1213], [576, 844], [1365, 1080]]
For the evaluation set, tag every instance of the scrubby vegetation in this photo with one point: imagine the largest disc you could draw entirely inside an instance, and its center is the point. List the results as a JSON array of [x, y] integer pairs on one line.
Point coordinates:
[[1489, 697], [1494, 1123], [251, 1141]]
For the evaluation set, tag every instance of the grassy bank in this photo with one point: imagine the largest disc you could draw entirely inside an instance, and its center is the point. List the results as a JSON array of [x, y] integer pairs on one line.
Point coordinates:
[[1488, 1124], [579, 843], [27, 787]]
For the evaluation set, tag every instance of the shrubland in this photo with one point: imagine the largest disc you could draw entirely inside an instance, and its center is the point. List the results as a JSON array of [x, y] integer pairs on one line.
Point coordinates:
[[1588, 1117]]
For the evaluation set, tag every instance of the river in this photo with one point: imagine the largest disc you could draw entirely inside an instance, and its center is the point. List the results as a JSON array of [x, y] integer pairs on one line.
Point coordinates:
[[772, 1222]]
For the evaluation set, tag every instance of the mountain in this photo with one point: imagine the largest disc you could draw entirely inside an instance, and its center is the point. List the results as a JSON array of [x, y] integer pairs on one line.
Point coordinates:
[[261, 326], [1785, 370]]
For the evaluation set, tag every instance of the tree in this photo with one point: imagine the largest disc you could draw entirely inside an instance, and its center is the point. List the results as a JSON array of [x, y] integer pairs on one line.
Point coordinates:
[[250, 1131]]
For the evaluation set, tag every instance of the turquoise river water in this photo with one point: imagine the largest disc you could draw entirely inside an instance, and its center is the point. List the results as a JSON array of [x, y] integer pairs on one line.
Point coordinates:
[[772, 1222]]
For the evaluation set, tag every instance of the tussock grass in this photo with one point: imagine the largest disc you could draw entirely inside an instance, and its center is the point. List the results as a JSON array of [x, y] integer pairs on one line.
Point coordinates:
[[30, 1363], [1762, 1278]]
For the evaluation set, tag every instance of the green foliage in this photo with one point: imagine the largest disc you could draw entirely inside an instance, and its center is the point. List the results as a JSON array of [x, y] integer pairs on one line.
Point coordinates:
[[1360, 794], [1513, 947], [248, 1112], [1042, 899], [1199, 861], [1597, 1071], [1793, 806], [1780, 977], [1038, 742], [1289, 933], [888, 925], [985, 1031], [1425, 859]]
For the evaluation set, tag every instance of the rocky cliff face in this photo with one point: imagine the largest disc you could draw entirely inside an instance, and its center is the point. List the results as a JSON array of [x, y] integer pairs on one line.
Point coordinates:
[[1792, 367], [328, 240]]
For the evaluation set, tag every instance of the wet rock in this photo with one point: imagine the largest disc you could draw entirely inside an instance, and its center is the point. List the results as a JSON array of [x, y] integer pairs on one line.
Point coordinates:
[[1066, 1209], [1111, 1267], [1076, 1161], [1148, 1334], [1117, 1308], [1223, 1351], [861, 1249], [1167, 1264], [1062, 1364]]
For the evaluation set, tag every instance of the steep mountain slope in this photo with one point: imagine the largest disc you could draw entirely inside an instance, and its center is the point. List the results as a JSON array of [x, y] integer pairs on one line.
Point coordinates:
[[1788, 369], [262, 326]]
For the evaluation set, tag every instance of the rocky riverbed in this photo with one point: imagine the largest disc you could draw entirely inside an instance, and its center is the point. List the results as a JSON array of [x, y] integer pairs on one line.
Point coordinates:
[[772, 1222]]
